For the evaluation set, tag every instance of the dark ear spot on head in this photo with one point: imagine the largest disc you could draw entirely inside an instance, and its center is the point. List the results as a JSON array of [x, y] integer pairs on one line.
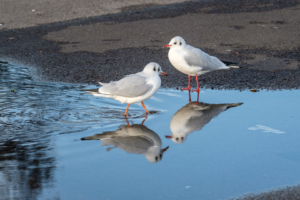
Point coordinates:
[[154, 69], [180, 43]]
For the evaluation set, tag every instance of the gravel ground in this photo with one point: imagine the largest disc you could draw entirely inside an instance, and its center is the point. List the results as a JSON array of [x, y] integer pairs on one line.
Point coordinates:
[[286, 193], [261, 36]]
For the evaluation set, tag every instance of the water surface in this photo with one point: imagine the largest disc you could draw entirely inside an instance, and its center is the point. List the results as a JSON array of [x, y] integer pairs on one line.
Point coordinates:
[[222, 150]]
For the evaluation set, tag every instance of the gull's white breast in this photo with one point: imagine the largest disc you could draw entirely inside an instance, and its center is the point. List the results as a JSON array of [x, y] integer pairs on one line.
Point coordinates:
[[176, 58]]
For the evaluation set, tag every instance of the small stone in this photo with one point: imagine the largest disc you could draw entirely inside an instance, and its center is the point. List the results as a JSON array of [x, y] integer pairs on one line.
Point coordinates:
[[254, 90]]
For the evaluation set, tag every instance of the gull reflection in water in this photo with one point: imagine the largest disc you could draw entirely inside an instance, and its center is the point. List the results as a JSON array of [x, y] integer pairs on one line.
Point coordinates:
[[134, 139], [193, 117]]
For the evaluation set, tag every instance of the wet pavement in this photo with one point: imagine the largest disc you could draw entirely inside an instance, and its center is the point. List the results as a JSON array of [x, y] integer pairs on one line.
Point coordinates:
[[28, 13], [230, 144]]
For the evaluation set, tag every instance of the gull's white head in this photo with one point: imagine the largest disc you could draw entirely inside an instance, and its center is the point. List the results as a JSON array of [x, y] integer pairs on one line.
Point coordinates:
[[177, 138], [154, 68], [155, 154], [176, 42]]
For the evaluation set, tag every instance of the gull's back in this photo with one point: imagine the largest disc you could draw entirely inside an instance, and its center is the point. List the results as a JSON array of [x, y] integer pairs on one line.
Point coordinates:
[[130, 86], [198, 58]]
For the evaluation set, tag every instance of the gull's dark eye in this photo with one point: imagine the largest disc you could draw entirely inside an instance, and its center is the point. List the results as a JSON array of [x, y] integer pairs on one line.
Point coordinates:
[[182, 138], [158, 69], [160, 156], [154, 69], [177, 139], [180, 43], [175, 43]]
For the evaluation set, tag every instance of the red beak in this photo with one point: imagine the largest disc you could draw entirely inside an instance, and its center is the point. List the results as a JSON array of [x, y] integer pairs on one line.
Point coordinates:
[[168, 136], [167, 45], [165, 149], [163, 73]]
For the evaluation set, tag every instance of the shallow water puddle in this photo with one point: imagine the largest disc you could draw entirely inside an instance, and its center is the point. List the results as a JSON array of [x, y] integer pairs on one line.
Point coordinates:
[[217, 149]]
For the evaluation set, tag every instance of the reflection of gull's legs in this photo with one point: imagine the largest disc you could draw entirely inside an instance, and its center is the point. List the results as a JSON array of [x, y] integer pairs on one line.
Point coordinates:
[[189, 87], [144, 120], [197, 90], [127, 121], [144, 107], [126, 109], [129, 124]]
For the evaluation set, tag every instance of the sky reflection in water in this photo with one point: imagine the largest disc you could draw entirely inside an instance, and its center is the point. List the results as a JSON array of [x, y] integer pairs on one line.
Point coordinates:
[[226, 152]]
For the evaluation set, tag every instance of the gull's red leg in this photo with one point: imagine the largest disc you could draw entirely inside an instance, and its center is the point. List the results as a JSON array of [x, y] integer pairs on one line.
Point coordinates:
[[126, 109], [144, 107], [189, 87], [189, 95], [197, 90]]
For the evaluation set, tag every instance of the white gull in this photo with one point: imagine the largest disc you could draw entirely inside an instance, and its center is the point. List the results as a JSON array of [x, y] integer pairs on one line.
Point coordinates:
[[133, 88], [192, 61]]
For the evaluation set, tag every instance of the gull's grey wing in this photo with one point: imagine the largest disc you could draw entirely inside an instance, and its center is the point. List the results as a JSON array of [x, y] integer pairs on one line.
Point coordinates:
[[199, 122], [136, 144], [107, 134], [130, 86], [212, 111], [197, 58]]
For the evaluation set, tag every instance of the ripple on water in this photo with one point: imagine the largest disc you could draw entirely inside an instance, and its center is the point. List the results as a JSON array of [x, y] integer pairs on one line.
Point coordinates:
[[30, 116], [49, 107]]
